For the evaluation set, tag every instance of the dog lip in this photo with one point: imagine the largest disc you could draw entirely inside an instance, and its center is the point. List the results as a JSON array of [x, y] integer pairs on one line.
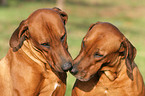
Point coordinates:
[[84, 77]]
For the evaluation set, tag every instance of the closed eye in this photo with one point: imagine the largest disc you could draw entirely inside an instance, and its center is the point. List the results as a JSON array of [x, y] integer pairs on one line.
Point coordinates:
[[63, 37], [46, 45], [97, 55]]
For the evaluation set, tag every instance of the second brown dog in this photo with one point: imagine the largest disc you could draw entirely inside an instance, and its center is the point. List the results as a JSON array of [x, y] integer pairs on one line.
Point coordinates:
[[105, 65]]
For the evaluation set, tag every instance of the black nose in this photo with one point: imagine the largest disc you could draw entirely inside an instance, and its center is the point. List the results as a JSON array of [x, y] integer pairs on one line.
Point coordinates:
[[66, 66], [74, 71]]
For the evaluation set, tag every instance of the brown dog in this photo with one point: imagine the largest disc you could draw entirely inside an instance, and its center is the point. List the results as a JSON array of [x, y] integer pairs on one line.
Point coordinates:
[[38, 56], [105, 65]]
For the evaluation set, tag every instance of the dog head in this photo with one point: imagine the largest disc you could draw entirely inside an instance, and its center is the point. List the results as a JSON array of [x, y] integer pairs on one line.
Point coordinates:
[[45, 29], [101, 47]]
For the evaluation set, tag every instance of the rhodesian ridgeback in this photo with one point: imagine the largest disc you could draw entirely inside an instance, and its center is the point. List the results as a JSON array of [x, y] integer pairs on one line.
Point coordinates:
[[38, 57], [105, 65]]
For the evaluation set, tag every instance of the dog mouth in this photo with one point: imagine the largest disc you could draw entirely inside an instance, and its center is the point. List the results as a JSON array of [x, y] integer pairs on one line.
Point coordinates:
[[61, 67], [84, 76], [53, 66]]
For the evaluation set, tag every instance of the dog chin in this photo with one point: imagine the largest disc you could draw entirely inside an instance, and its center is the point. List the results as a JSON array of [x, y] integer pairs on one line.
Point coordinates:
[[84, 79]]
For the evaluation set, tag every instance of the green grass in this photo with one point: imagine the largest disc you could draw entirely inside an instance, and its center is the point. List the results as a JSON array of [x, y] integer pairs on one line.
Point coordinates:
[[127, 16]]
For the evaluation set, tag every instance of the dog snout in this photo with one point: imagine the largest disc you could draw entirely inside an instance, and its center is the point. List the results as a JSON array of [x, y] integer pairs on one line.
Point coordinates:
[[74, 71], [66, 66]]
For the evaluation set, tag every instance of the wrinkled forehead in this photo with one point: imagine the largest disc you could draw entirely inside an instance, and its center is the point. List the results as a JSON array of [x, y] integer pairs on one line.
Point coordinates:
[[104, 37], [43, 18], [46, 23]]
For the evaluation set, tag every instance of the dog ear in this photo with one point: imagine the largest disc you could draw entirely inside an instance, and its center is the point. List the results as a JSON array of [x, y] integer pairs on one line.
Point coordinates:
[[19, 35], [63, 15], [129, 54]]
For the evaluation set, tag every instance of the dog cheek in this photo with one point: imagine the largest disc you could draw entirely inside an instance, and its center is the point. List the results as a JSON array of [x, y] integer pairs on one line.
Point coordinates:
[[94, 68], [48, 57]]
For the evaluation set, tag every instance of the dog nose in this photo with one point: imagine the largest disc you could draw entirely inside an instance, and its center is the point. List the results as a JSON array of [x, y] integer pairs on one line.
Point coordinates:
[[74, 71], [66, 66]]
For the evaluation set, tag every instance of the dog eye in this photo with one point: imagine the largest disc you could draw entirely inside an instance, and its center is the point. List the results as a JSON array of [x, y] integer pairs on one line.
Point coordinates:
[[97, 55], [63, 37], [46, 44]]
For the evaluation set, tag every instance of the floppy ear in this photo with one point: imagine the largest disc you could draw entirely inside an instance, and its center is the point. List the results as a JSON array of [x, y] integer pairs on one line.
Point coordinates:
[[129, 53], [19, 36], [63, 15]]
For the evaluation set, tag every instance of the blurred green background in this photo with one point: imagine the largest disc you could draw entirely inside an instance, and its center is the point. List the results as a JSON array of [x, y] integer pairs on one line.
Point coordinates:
[[127, 15]]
